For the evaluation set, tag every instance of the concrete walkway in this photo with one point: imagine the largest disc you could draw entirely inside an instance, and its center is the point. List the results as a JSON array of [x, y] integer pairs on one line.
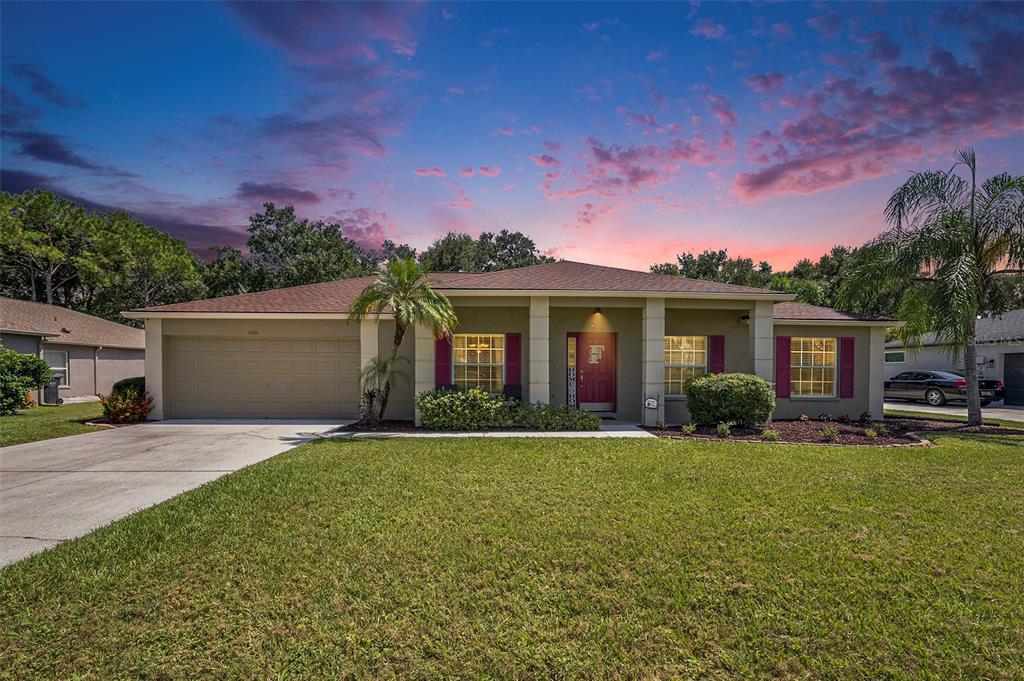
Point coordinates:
[[958, 409], [55, 490], [608, 429]]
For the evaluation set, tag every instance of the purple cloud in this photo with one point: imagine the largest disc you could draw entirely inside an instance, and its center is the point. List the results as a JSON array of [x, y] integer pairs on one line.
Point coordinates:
[[707, 28], [276, 192], [765, 82], [41, 85], [881, 47], [828, 24], [490, 171], [44, 146], [430, 172], [15, 111]]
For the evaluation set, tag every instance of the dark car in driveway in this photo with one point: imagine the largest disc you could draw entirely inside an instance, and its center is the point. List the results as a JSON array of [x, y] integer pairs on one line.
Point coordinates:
[[938, 387]]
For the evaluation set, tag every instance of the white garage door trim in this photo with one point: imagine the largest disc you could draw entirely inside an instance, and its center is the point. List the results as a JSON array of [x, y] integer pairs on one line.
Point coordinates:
[[239, 377]]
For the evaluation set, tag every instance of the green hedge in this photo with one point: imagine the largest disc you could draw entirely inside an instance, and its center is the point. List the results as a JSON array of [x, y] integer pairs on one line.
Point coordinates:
[[135, 383], [743, 399], [19, 374], [474, 409]]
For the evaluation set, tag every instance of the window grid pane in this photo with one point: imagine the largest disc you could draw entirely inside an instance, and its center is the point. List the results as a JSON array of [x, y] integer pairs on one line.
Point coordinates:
[[478, 361], [812, 370], [685, 357]]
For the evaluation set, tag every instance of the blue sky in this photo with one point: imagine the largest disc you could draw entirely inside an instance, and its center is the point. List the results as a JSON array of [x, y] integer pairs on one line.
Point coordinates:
[[614, 133]]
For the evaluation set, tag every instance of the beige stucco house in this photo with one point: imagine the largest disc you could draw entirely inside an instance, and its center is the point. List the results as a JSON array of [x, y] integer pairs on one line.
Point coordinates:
[[605, 339], [88, 354]]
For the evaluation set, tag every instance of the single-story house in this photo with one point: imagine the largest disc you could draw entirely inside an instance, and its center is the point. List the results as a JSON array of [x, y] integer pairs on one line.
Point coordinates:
[[88, 354], [1000, 345], [605, 339]]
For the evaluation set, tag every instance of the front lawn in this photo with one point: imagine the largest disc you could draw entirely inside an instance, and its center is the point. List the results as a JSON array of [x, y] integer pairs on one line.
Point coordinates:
[[43, 423], [549, 558]]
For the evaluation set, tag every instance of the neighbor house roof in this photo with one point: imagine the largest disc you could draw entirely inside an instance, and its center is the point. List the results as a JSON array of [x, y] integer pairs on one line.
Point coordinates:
[[334, 297], [61, 325], [1006, 328]]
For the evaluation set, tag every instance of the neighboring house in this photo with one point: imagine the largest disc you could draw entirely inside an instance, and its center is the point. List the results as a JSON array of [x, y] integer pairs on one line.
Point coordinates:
[[602, 338], [1000, 342], [87, 353]]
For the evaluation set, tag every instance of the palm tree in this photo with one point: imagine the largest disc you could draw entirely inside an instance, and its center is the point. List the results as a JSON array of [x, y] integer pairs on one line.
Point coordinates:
[[403, 289], [950, 244]]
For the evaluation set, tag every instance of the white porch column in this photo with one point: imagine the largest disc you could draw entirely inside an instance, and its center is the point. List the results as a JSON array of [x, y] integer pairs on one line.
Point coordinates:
[[653, 358], [540, 350], [423, 379], [155, 367], [762, 340], [876, 372]]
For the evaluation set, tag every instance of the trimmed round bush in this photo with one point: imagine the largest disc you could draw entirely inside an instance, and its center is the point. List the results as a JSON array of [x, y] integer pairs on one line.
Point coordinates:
[[474, 409], [136, 383], [743, 399]]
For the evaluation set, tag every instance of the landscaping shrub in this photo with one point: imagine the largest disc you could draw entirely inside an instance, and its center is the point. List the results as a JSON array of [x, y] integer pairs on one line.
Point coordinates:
[[661, 425], [770, 435], [474, 409], [865, 417], [830, 434], [688, 428], [127, 405], [19, 374], [843, 418], [877, 430], [824, 417], [136, 382], [724, 429], [744, 399]]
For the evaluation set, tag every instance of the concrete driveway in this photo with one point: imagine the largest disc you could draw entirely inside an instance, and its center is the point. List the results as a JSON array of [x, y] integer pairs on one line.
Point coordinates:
[[59, 489], [993, 411]]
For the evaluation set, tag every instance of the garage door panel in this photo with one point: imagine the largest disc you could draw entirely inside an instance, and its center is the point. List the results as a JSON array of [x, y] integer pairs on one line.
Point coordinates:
[[262, 378]]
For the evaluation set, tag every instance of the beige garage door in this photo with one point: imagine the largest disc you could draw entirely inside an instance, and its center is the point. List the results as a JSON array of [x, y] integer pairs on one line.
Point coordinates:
[[262, 377]]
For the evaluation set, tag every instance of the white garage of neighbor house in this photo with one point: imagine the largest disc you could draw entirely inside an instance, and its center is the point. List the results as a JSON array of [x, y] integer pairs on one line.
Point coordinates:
[[1000, 343], [614, 341], [88, 354]]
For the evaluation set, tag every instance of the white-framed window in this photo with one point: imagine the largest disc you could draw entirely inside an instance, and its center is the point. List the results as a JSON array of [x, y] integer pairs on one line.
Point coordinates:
[[685, 358], [895, 356], [812, 367], [478, 361], [57, 360]]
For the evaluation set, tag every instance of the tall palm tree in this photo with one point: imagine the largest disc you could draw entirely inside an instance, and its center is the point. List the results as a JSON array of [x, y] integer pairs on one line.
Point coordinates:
[[951, 242], [403, 289]]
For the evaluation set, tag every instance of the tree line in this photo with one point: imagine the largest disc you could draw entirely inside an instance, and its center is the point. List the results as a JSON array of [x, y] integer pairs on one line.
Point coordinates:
[[56, 251]]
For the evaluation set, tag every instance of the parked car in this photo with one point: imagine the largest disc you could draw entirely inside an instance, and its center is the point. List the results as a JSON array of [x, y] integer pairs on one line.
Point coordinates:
[[938, 387]]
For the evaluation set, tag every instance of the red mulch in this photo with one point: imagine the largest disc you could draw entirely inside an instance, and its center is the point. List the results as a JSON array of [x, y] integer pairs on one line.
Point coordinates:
[[901, 432]]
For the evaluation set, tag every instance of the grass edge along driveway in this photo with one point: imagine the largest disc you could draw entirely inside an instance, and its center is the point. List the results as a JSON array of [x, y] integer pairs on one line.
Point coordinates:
[[46, 422], [549, 557]]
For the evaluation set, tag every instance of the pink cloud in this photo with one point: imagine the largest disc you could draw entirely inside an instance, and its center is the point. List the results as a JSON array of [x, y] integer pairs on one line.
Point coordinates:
[[467, 172], [405, 49], [447, 14], [721, 107], [782, 30], [590, 213], [765, 82], [545, 161], [490, 171], [505, 132], [428, 172], [848, 130], [828, 24], [552, 146], [456, 91], [656, 55], [461, 200], [707, 28]]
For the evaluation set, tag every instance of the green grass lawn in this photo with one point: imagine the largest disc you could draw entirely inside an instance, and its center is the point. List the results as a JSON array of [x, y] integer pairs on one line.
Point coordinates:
[[549, 558], [42, 423], [902, 413]]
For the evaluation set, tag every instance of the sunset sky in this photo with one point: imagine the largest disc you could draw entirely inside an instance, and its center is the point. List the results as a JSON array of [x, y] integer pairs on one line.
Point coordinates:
[[613, 133]]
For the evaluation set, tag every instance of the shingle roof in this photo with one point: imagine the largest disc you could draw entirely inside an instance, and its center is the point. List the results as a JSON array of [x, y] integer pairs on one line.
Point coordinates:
[[334, 297], [805, 312], [69, 327], [1006, 328]]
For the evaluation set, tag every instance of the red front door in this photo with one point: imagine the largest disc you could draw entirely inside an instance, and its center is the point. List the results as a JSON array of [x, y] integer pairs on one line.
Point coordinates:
[[595, 364]]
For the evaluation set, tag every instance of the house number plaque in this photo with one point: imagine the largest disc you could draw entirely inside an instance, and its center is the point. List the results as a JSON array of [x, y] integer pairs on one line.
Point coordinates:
[[596, 353]]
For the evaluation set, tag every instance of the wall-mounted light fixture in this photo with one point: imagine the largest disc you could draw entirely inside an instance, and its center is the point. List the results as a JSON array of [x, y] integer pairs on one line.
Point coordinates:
[[597, 310], [744, 319]]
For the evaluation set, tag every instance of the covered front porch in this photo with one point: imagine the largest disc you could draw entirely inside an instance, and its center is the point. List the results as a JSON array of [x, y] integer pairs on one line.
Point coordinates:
[[607, 355]]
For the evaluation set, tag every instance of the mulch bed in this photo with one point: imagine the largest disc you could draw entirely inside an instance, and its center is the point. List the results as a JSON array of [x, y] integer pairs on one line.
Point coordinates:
[[902, 432]]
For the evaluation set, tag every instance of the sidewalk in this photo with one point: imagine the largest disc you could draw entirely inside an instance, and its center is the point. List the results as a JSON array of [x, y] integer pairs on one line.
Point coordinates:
[[608, 429]]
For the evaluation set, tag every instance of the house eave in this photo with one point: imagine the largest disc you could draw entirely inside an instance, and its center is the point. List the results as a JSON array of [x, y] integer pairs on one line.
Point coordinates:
[[885, 323], [577, 293], [143, 314]]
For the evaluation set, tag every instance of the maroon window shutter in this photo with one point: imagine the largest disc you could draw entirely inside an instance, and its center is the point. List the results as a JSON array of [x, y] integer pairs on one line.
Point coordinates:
[[782, 345], [716, 357], [846, 374], [513, 359], [442, 362]]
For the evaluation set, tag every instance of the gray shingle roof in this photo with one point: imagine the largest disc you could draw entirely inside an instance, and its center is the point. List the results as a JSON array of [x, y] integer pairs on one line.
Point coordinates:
[[1006, 328], [61, 325]]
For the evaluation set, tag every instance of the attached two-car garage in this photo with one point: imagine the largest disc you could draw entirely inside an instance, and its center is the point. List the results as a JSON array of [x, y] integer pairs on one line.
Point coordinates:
[[212, 371]]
